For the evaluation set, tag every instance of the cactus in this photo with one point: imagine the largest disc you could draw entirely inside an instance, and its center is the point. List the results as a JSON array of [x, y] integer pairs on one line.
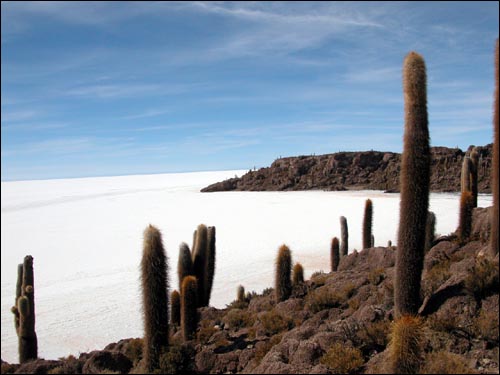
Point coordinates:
[[189, 315], [283, 274], [430, 229], [200, 262], [185, 263], [297, 274], [344, 236], [154, 274], [334, 254], [474, 167], [414, 186], [465, 219], [389, 243], [494, 241], [406, 345], [24, 311], [372, 240], [367, 224], [240, 294], [175, 309], [210, 266], [465, 179]]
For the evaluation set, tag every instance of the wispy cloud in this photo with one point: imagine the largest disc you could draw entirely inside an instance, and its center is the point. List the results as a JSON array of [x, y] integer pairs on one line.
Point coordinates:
[[145, 114]]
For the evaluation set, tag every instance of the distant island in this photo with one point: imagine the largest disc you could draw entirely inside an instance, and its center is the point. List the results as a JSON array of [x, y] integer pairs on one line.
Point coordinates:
[[367, 170]]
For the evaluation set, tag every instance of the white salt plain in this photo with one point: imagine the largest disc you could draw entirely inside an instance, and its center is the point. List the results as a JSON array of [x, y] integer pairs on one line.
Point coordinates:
[[86, 235]]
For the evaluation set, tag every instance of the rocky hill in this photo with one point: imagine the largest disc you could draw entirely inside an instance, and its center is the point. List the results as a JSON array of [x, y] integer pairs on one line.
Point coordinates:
[[371, 170], [336, 322]]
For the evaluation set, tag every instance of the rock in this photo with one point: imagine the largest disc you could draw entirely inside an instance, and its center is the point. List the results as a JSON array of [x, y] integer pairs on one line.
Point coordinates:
[[356, 170], [37, 366], [100, 361]]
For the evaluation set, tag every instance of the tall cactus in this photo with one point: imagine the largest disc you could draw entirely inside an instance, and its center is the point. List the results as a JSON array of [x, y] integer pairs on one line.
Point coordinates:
[[175, 309], [297, 274], [24, 311], [184, 263], [189, 315], [494, 239], [154, 275], [465, 215], [367, 224], [474, 167], [210, 266], [283, 274], [414, 186], [200, 262], [430, 231], [344, 236], [334, 254], [465, 176]]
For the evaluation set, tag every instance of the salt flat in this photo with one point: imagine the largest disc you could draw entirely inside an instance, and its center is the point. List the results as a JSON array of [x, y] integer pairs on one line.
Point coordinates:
[[86, 237]]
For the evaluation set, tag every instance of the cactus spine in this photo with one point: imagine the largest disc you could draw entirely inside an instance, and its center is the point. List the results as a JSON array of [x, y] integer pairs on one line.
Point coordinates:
[[185, 263], [200, 261], [406, 345], [474, 167], [367, 224], [189, 317], [334, 254], [175, 310], [154, 276], [240, 294], [494, 241], [210, 266], [283, 274], [430, 230], [24, 311], [414, 186], [344, 235], [297, 274]]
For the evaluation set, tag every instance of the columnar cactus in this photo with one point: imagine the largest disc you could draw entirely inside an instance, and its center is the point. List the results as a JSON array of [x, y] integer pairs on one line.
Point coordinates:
[[24, 311], [297, 274], [175, 309], [367, 224], [465, 218], [210, 266], [240, 294], [414, 186], [200, 261], [372, 240], [494, 241], [189, 315], [334, 254], [406, 345], [283, 274], [474, 167], [465, 176], [185, 263], [430, 230], [344, 236], [154, 275]]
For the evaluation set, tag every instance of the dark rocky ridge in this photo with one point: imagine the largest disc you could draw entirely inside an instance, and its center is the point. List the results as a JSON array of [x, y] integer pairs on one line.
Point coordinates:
[[370, 170]]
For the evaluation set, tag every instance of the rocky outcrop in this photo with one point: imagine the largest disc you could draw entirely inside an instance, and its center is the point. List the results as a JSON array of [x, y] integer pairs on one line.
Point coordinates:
[[371, 170]]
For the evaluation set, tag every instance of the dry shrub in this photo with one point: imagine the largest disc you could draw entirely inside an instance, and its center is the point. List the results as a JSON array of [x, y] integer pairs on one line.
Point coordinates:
[[486, 324], [342, 359], [442, 322], [374, 336], [178, 359], [435, 277], [483, 278], [262, 350], [237, 318], [204, 334], [376, 276], [319, 278], [443, 362], [274, 322], [325, 298]]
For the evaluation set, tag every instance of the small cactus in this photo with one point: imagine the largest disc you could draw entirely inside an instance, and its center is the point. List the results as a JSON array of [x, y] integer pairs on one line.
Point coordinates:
[[334, 254], [297, 274], [185, 263], [283, 274], [344, 236], [175, 309], [189, 314], [367, 224], [240, 293], [430, 230], [200, 262], [406, 345], [389, 243], [154, 276], [24, 311]]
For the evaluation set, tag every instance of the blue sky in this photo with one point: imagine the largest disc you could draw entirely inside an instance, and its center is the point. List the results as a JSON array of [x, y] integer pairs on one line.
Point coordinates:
[[112, 88]]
